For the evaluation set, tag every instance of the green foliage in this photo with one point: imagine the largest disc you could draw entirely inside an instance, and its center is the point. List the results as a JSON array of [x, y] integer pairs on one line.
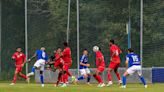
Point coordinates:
[[100, 20]]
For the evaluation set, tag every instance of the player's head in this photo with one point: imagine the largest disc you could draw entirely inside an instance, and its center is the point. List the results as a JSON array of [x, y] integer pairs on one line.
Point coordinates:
[[59, 50], [43, 48], [130, 50], [95, 48], [19, 49], [111, 42], [85, 52], [65, 44]]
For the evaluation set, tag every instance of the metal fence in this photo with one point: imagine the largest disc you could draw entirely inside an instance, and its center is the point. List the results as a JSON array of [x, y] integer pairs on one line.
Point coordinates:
[[51, 77]]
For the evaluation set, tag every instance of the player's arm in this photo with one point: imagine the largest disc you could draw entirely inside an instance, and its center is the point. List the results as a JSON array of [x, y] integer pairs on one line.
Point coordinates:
[[24, 60], [32, 57], [13, 57], [126, 63], [84, 64], [81, 61]]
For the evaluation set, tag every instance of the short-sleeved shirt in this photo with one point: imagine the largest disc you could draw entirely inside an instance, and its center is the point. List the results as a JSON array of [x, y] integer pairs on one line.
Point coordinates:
[[99, 56], [133, 59], [67, 55], [84, 60], [115, 49], [19, 58], [41, 55]]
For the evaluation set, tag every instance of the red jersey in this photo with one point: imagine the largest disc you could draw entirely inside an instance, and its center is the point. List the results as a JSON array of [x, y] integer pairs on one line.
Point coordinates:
[[115, 49], [57, 58], [19, 58], [99, 56], [67, 55]]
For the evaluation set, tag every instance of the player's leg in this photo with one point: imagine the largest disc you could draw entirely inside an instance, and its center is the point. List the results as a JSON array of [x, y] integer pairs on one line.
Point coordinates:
[[109, 76], [129, 71], [124, 79], [98, 77], [89, 76], [117, 74], [15, 76], [83, 75], [139, 71], [59, 78], [41, 78], [64, 76], [37, 65]]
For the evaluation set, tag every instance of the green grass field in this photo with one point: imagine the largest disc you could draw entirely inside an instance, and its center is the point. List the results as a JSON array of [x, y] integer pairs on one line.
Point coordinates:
[[22, 87]]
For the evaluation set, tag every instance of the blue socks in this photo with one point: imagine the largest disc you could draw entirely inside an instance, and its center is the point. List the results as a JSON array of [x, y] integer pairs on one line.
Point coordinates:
[[142, 80], [81, 78], [123, 80], [88, 78], [42, 79], [33, 69]]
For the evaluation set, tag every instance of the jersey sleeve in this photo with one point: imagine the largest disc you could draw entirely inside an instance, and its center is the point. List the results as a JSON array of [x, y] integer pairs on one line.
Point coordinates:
[[24, 57], [14, 56], [82, 58], [127, 58]]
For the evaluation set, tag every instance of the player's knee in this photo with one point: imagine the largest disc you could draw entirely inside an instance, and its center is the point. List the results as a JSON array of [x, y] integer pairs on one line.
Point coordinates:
[[94, 75], [41, 72], [85, 75], [109, 70]]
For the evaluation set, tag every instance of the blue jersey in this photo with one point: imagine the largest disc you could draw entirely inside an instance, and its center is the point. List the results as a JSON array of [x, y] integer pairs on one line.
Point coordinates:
[[41, 55], [83, 59], [133, 59]]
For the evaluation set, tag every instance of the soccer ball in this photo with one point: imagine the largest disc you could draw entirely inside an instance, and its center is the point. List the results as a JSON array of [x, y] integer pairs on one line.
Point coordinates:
[[95, 48]]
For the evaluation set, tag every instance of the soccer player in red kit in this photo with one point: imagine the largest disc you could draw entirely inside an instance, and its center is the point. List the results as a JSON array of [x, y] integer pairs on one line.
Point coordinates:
[[100, 64], [66, 56], [114, 62], [58, 64], [20, 59]]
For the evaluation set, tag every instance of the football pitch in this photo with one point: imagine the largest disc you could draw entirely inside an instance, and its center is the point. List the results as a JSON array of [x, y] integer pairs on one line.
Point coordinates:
[[22, 87]]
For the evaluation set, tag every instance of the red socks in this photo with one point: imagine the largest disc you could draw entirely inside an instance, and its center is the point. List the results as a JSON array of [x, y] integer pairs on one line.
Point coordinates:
[[109, 77], [98, 78], [118, 76]]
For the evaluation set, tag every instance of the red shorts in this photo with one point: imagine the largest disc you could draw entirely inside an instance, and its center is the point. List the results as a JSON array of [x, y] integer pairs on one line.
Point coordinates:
[[100, 69], [18, 69], [113, 65], [66, 67], [58, 65]]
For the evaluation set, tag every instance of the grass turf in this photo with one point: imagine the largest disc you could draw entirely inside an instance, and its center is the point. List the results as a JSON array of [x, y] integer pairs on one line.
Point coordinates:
[[22, 87]]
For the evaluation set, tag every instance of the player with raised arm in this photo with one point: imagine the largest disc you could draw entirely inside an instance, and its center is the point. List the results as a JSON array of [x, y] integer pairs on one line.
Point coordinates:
[[42, 58], [20, 59], [133, 64], [84, 70], [100, 63], [114, 62], [66, 56]]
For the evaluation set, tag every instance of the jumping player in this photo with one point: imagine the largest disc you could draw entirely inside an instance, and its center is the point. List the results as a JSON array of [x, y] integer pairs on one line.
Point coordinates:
[[114, 62], [39, 64], [66, 56], [100, 63], [20, 59], [84, 70], [133, 64]]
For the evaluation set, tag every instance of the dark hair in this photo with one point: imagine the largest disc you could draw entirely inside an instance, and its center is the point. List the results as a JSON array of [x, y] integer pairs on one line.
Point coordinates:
[[112, 41], [130, 50], [85, 49], [65, 44]]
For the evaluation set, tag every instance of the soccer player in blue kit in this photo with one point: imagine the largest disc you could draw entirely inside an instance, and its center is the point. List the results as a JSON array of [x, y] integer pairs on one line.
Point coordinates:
[[42, 58], [133, 64], [84, 70]]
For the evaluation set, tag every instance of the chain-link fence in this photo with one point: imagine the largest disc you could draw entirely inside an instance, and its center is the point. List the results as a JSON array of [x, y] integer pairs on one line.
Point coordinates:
[[99, 21]]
